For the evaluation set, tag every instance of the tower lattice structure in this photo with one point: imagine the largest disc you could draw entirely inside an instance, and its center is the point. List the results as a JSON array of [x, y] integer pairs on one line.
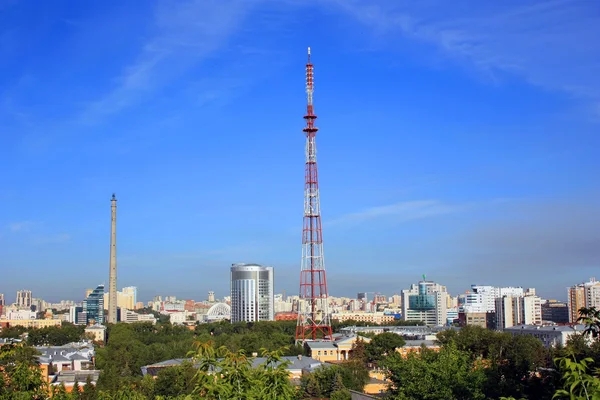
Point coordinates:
[[313, 307]]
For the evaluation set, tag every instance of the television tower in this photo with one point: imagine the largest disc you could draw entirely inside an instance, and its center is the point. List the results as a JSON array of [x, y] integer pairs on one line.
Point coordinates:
[[313, 308], [112, 277]]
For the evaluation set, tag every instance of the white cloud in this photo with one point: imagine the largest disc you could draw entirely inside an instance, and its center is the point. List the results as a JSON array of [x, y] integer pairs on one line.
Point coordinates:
[[22, 226], [186, 33], [398, 212], [548, 43]]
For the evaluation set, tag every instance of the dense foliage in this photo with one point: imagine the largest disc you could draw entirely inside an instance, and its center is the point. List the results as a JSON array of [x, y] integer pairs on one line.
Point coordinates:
[[472, 363], [56, 335]]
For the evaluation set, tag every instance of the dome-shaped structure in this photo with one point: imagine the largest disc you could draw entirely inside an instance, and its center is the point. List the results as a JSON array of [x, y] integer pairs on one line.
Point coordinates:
[[218, 312]]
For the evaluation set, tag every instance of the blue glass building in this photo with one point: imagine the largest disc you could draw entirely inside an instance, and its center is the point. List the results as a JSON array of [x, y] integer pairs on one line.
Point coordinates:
[[93, 306]]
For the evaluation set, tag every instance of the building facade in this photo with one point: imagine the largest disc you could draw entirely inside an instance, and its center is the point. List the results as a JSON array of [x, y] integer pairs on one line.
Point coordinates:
[[93, 306], [555, 311], [426, 302], [24, 298], [252, 293]]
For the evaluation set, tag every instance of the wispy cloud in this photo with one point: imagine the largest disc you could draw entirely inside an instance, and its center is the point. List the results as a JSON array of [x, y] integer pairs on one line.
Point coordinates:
[[548, 43], [22, 226], [398, 212], [187, 32]]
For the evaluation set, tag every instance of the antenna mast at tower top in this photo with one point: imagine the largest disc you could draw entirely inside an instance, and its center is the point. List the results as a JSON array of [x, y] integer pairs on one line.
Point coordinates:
[[313, 306]]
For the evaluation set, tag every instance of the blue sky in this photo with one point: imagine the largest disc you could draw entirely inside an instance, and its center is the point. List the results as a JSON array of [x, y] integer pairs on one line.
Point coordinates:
[[457, 140]]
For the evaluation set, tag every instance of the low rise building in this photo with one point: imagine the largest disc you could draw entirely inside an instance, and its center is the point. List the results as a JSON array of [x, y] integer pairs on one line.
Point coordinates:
[[30, 323], [97, 333], [338, 349], [367, 317], [296, 367], [549, 335]]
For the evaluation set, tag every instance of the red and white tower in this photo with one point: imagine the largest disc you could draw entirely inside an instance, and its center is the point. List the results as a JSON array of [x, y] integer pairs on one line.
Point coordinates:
[[313, 308]]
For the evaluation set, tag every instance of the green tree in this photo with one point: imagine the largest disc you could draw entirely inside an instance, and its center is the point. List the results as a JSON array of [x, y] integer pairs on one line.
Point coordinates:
[[60, 393], [20, 372], [359, 351], [310, 387], [89, 390], [444, 375], [173, 381], [578, 382], [591, 318], [76, 391], [343, 394], [383, 345]]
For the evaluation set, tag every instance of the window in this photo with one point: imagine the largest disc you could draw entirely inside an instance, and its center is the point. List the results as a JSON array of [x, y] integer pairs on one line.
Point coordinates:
[[319, 352]]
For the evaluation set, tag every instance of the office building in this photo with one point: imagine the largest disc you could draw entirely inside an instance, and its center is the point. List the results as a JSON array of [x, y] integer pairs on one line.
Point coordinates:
[[93, 306], [77, 316], [251, 293], [427, 302], [1, 299], [24, 298], [555, 311]]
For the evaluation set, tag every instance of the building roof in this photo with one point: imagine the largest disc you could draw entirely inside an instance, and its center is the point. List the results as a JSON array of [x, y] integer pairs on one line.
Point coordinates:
[[79, 357], [320, 345], [551, 328], [59, 358], [96, 327], [297, 363], [419, 343]]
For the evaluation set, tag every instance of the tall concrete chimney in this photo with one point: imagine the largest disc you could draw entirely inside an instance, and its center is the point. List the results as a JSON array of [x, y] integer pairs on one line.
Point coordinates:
[[112, 277]]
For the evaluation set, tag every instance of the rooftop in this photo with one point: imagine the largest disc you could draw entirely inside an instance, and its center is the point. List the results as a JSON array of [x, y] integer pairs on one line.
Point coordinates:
[[296, 363], [551, 328]]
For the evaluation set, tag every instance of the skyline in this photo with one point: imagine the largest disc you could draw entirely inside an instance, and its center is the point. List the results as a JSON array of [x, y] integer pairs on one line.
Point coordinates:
[[454, 141]]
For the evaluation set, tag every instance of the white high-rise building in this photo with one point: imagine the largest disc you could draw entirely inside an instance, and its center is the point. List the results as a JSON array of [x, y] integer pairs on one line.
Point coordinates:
[[426, 302], [532, 310], [251, 293], [482, 299], [592, 293], [518, 310]]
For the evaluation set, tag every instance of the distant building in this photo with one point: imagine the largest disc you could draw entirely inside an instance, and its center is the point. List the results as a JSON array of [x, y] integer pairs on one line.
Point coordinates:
[[211, 296], [1, 299], [93, 306], [217, 312], [426, 302], [575, 301], [362, 296], [96, 332], [368, 317], [126, 298], [583, 295], [29, 323], [549, 335], [555, 311], [251, 293], [129, 317], [24, 298], [518, 310], [21, 315], [286, 316], [473, 319], [77, 316]]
